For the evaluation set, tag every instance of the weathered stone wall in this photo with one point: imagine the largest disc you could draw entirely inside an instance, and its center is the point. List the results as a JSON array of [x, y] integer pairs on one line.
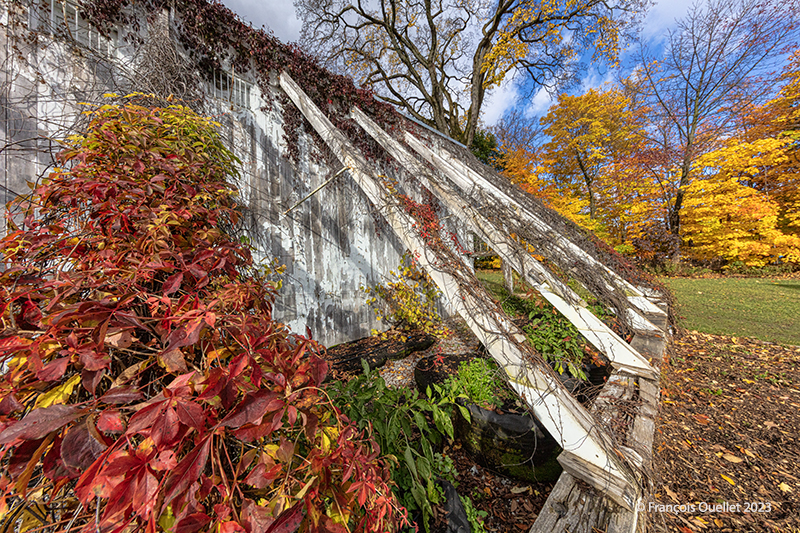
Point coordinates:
[[331, 244]]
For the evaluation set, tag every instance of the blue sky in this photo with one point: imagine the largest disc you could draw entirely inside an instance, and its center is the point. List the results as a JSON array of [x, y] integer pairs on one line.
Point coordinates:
[[279, 16]]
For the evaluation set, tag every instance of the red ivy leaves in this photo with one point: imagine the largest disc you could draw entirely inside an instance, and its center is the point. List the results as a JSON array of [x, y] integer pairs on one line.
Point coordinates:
[[143, 369]]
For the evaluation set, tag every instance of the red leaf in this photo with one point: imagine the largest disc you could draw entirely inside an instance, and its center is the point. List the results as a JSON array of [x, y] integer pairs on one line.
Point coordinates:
[[260, 477], [329, 526], [253, 433], [79, 449], [89, 479], [173, 361], [94, 360], [255, 518], [231, 527], [164, 461], [121, 395], [192, 523], [22, 455], [123, 464], [191, 414], [90, 379], [288, 521], [165, 428], [214, 383], [9, 405], [144, 419], [54, 370], [144, 496], [40, 422], [187, 472], [173, 283], [193, 330], [110, 421], [319, 369], [251, 409]]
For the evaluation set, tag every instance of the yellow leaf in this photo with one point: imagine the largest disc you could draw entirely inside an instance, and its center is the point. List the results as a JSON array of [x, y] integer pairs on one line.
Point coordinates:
[[729, 480], [785, 488], [305, 488], [31, 517], [58, 395]]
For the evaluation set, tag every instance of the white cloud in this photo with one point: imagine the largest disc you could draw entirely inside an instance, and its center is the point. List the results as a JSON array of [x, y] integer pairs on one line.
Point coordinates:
[[277, 15], [663, 16], [595, 80], [499, 101], [539, 104]]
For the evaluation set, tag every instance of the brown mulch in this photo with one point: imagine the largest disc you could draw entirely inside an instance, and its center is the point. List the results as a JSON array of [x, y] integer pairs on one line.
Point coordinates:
[[510, 505], [727, 440]]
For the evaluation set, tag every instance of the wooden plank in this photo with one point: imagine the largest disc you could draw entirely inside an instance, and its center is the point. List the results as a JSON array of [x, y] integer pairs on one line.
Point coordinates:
[[468, 180], [573, 507], [566, 419], [619, 353]]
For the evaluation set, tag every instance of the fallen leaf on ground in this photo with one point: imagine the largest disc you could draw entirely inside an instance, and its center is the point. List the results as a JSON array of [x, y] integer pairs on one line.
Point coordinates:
[[729, 480], [672, 495], [731, 458], [784, 487]]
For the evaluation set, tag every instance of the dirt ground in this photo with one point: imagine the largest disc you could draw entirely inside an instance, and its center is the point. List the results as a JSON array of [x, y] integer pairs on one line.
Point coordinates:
[[726, 450]]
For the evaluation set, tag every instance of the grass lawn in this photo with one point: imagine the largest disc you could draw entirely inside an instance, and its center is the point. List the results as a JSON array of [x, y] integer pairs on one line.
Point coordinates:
[[493, 279], [767, 309]]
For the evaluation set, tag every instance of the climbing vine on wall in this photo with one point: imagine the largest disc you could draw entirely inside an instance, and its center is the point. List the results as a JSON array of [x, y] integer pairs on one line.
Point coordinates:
[[213, 35]]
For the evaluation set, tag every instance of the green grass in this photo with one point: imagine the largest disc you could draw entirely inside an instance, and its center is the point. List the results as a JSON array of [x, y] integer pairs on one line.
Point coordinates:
[[767, 309], [514, 305]]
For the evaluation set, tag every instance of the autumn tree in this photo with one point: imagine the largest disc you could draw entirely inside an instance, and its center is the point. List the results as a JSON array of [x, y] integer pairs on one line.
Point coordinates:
[[520, 140], [728, 219], [745, 202], [587, 134], [425, 56], [146, 386], [714, 68], [777, 125]]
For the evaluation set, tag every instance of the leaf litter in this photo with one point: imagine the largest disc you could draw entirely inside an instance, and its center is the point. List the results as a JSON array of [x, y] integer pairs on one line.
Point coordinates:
[[727, 435]]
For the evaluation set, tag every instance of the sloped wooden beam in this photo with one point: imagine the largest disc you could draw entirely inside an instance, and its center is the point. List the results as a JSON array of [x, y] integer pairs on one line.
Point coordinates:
[[566, 419], [561, 296], [470, 181]]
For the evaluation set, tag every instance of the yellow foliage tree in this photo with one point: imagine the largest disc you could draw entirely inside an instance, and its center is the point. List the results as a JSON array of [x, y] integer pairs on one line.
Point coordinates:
[[523, 165], [726, 217], [588, 156]]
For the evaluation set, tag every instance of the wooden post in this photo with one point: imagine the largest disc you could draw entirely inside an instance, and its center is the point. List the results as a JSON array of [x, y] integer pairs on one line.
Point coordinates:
[[470, 181], [508, 277]]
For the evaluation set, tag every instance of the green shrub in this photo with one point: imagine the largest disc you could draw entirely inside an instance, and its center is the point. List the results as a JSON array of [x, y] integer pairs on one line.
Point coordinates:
[[399, 421], [558, 340], [475, 516], [478, 382]]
